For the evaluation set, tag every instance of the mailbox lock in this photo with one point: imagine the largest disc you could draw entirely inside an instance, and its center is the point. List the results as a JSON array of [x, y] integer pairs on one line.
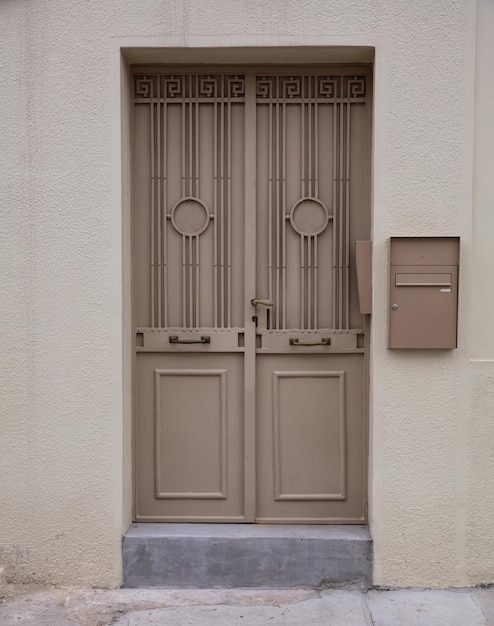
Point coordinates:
[[394, 307]]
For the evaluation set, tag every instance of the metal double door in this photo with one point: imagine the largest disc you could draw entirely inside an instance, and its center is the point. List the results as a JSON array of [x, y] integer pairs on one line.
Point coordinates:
[[250, 188]]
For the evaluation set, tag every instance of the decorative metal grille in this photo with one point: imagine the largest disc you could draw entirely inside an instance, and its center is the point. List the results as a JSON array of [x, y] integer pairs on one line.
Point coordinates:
[[317, 110], [196, 140], [191, 194]]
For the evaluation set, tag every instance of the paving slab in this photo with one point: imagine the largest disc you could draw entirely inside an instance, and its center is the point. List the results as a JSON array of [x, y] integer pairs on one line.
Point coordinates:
[[249, 607], [36, 609], [337, 608], [484, 598], [424, 608], [97, 607]]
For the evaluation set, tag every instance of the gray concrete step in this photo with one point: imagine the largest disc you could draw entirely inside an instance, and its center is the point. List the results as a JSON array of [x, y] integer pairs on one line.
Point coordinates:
[[246, 555]]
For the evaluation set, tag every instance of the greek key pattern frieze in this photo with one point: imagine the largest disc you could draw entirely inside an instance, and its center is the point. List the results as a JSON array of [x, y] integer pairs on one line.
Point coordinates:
[[311, 87], [355, 86], [145, 86], [177, 87]]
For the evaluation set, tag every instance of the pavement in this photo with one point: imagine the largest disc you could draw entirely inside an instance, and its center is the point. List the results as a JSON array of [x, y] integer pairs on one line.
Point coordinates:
[[249, 607]]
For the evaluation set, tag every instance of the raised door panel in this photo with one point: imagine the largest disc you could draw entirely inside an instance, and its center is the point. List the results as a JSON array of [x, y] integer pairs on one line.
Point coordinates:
[[189, 437], [190, 459], [310, 438]]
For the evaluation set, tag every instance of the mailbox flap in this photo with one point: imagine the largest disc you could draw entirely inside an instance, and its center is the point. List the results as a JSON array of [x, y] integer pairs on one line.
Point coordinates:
[[423, 276], [423, 280]]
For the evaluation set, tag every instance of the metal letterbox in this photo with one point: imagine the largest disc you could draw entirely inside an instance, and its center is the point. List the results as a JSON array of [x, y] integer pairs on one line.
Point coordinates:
[[423, 304]]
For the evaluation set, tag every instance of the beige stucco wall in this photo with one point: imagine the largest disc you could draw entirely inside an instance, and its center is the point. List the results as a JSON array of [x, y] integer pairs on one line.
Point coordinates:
[[65, 327]]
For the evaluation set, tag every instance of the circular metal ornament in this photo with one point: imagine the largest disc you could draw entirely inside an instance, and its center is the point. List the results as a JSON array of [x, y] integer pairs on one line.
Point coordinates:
[[309, 216], [190, 216]]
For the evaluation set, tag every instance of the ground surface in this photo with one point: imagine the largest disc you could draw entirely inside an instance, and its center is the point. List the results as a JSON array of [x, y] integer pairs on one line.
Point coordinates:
[[248, 607]]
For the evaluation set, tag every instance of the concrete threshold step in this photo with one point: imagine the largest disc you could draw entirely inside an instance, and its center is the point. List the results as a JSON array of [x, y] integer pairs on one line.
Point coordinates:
[[246, 555]]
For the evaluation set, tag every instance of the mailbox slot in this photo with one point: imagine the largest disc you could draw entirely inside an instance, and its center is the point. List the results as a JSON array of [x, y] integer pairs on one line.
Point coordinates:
[[423, 309], [423, 280]]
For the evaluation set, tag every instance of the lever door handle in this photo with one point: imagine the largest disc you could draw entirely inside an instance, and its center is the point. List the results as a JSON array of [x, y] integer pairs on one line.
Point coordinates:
[[203, 339], [325, 341], [257, 302]]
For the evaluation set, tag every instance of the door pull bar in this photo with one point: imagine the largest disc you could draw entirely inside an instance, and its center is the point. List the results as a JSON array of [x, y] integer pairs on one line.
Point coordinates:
[[325, 341], [203, 339]]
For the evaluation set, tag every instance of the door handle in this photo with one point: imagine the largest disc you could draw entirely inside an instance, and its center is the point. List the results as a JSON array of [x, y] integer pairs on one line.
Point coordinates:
[[256, 302], [203, 339], [325, 341]]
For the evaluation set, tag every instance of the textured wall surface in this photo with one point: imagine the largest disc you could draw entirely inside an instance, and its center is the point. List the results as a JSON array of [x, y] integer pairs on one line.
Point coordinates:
[[65, 384]]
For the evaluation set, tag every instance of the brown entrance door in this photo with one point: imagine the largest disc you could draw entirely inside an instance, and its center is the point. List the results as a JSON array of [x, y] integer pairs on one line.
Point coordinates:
[[250, 189]]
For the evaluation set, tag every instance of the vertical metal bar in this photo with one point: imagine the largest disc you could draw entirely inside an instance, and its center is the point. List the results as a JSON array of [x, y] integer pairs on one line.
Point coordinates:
[[316, 284], [191, 138], [278, 208], [165, 205], [197, 286], [303, 193], [215, 207], [347, 219], [158, 207], [229, 232], [184, 282], [309, 136], [197, 190], [222, 205], [341, 229], [316, 141], [310, 192], [309, 282], [302, 145], [250, 136], [191, 282], [184, 156], [302, 282], [270, 198], [153, 219], [316, 194], [283, 214], [335, 216]]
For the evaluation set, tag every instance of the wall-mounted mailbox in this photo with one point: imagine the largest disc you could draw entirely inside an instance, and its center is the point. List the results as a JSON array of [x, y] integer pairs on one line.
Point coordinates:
[[423, 305]]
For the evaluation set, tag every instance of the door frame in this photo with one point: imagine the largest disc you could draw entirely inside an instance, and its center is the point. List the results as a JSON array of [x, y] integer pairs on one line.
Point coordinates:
[[250, 178]]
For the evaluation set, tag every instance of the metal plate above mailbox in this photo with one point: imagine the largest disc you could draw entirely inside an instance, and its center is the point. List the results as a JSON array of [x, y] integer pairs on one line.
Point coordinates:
[[423, 308]]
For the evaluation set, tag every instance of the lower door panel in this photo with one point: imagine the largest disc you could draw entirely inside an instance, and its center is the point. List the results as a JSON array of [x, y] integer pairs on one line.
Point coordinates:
[[189, 437], [310, 438]]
